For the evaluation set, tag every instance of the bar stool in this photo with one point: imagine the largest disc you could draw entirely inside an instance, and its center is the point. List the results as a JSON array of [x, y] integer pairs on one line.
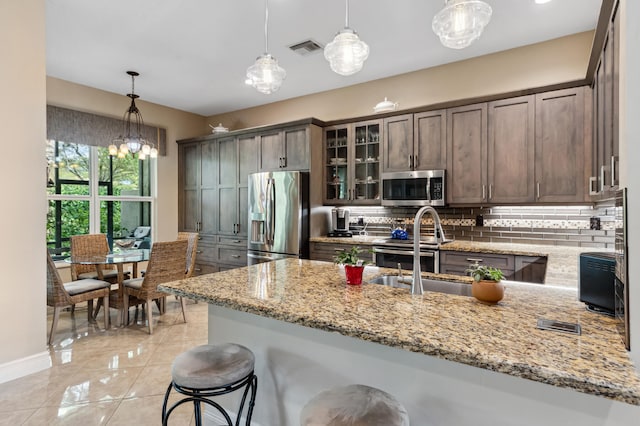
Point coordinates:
[[354, 405], [212, 370]]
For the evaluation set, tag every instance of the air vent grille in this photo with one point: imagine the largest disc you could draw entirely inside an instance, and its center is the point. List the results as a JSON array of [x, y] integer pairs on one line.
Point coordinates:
[[306, 47]]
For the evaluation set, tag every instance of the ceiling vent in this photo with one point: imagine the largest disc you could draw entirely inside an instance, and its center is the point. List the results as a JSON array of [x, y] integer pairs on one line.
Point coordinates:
[[306, 47]]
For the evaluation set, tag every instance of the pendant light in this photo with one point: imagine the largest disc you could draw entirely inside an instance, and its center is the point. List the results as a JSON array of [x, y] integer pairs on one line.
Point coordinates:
[[346, 53], [461, 22], [266, 75], [131, 140]]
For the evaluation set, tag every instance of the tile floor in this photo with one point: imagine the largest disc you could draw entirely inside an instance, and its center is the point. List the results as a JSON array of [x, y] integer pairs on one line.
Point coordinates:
[[113, 377]]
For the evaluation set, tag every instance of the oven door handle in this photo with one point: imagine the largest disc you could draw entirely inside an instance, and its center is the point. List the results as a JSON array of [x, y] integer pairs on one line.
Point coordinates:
[[403, 252]]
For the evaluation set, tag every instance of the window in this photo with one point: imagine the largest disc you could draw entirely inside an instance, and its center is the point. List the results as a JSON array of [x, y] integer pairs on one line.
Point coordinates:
[[90, 192]]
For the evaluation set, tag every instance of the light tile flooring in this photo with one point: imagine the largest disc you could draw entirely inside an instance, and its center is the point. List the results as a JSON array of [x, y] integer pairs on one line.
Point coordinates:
[[113, 377]]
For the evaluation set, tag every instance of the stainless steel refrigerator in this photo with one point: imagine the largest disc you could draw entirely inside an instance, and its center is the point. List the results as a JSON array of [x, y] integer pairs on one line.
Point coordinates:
[[278, 216]]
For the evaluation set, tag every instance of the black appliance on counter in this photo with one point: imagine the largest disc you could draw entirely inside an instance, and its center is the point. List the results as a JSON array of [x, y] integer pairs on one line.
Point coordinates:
[[596, 282]]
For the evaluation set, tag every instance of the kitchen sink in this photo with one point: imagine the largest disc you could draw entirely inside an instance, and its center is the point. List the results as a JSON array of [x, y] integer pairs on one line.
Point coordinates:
[[438, 286]]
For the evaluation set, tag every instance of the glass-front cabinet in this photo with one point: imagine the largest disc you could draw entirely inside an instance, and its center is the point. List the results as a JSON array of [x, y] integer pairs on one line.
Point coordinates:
[[352, 163]]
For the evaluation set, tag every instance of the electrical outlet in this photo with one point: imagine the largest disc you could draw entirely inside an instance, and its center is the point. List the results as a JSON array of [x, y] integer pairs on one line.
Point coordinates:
[[479, 220]]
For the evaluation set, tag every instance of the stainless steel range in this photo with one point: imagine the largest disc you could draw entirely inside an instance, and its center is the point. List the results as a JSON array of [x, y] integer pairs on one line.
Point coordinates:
[[391, 252]]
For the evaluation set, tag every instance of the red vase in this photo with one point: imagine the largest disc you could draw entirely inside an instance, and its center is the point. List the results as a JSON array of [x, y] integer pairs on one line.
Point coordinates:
[[354, 274]]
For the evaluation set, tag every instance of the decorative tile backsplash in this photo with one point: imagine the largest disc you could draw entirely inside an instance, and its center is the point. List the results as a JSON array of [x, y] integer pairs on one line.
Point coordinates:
[[578, 226]]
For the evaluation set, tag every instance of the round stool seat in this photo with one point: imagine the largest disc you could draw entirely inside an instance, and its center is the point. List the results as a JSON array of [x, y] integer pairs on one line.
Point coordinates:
[[212, 366], [354, 405]]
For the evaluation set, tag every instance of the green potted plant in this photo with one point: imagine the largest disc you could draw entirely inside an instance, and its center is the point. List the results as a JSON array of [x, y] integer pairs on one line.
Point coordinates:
[[487, 283], [353, 264]]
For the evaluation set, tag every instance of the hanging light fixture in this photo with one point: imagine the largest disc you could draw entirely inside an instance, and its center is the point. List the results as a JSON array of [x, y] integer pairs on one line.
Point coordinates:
[[346, 53], [131, 140], [461, 22], [266, 75]]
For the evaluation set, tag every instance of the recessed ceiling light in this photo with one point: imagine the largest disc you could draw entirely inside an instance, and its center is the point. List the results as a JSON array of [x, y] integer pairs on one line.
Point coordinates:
[[542, 1]]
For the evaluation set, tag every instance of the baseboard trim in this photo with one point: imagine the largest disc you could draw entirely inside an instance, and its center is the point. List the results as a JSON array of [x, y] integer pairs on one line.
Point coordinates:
[[24, 366]]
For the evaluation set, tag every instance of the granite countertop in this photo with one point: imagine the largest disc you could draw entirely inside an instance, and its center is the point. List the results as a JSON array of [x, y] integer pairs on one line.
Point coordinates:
[[562, 261], [502, 337]]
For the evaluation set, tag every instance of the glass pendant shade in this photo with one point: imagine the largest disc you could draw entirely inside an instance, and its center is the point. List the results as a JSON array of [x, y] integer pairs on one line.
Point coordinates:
[[266, 75], [461, 22], [346, 53]]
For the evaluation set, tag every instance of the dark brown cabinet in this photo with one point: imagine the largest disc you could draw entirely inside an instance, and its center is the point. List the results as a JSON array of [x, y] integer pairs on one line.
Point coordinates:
[[530, 269], [467, 154], [197, 181], [510, 150], [327, 251], [604, 178], [415, 142], [562, 133], [286, 149]]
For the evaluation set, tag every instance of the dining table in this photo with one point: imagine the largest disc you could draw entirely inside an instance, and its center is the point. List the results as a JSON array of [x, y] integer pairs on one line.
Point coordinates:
[[119, 259]]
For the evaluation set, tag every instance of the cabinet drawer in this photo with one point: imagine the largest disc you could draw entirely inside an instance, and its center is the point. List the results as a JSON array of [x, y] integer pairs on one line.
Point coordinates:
[[505, 262], [326, 251], [232, 241], [202, 268], [206, 253], [233, 256]]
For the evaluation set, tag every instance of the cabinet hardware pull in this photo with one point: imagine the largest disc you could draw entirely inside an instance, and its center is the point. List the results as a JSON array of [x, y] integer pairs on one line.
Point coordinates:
[[484, 191], [593, 180], [198, 251], [416, 163], [490, 186], [471, 259], [602, 170], [236, 241], [235, 256], [284, 162], [410, 162], [538, 190], [198, 269]]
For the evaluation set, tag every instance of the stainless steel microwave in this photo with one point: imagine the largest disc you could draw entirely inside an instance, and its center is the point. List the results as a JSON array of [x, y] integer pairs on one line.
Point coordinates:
[[413, 189]]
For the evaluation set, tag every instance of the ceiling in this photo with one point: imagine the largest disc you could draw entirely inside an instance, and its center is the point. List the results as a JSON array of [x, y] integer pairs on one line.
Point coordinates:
[[193, 54]]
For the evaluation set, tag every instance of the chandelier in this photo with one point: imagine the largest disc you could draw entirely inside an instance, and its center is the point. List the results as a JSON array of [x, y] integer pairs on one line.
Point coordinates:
[[346, 53], [131, 140], [266, 75], [461, 22]]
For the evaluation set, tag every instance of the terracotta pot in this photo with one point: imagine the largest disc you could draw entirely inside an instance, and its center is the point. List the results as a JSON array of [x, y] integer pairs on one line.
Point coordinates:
[[354, 274], [487, 291]]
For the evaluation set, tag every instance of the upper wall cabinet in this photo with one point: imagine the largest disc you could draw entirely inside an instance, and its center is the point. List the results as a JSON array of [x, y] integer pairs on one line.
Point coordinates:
[[286, 149], [352, 167], [604, 170], [415, 142], [562, 134]]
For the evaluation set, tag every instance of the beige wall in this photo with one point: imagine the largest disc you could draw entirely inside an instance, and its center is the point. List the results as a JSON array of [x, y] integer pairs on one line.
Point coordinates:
[[179, 125], [22, 216], [556, 61]]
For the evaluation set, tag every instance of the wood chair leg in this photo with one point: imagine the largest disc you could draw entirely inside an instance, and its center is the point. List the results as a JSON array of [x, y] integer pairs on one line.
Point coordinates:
[[182, 305], [150, 315], [54, 323], [90, 317], [97, 310], [125, 310], [106, 312]]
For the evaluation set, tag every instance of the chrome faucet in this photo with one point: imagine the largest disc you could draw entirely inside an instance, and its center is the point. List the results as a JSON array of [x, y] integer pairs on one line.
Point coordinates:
[[438, 237]]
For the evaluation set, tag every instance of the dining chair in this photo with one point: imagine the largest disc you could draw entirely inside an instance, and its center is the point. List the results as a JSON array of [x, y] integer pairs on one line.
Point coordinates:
[[60, 295], [166, 263], [192, 248], [89, 245]]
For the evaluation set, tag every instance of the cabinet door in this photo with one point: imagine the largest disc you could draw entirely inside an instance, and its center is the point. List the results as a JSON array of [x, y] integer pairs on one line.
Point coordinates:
[[296, 149], [227, 176], [430, 140], [336, 170], [189, 189], [467, 154], [365, 162], [208, 188], [510, 161], [615, 113], [530, 269], [271, 153], [247, 164], [397, 143], [560, 141]]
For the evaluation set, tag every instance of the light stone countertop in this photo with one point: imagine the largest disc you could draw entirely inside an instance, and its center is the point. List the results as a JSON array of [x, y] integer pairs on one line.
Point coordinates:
[[562, 261], [501, 338]]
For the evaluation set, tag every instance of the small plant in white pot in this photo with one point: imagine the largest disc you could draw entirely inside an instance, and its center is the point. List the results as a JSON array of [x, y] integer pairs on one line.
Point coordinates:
[[487, 283], [353, 264]]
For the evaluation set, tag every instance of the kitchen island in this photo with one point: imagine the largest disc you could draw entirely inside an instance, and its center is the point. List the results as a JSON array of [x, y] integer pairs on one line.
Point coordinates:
[[449, 359]]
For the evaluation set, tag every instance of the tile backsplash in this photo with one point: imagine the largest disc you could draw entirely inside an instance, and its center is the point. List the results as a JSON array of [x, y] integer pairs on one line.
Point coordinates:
[[577, 226]]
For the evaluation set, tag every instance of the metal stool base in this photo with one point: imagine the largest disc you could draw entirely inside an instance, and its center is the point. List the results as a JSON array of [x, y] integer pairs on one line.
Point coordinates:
[[197, 396]]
